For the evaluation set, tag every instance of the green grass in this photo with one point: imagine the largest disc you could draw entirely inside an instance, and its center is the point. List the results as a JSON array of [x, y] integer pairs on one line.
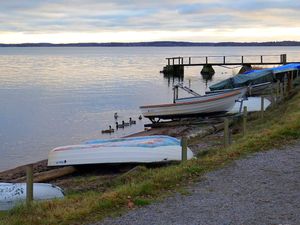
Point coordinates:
[[279, 127]]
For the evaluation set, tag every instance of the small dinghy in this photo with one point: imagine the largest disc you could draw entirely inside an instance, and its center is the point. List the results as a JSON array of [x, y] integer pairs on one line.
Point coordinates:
[[148, 149], [13, 193]]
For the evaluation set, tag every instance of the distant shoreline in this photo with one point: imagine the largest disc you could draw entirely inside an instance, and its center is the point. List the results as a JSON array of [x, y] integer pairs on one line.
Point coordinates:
[[161, 44]]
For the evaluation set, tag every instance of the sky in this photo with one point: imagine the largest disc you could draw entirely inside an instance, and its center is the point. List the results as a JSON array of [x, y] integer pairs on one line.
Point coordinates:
[[72, 21]]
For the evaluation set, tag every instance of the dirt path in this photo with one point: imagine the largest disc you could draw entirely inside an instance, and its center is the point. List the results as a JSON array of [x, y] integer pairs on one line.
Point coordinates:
[[261, 189]]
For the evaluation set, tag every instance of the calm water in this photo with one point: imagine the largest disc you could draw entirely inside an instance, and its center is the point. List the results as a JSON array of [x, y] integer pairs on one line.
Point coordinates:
[[60, 96]]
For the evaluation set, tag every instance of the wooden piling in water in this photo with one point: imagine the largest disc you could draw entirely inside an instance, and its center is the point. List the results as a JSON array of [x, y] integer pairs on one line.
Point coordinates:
[[29, 184], [183, 149]]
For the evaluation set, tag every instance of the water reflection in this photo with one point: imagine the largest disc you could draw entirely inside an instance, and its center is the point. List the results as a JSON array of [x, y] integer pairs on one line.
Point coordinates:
[[173, 79], [207, 78]]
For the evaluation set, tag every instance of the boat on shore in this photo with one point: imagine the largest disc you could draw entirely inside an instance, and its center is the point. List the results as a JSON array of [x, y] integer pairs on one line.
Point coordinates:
[[257, 80], [244, 91], [148, 149], [250, 90], [14, 193], [214, 103]]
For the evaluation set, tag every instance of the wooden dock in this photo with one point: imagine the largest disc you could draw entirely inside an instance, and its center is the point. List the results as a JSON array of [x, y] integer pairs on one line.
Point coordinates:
[[175, 65]]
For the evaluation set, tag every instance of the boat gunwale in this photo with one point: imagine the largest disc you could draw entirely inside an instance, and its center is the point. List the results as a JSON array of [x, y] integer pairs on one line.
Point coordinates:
[[222, 96]]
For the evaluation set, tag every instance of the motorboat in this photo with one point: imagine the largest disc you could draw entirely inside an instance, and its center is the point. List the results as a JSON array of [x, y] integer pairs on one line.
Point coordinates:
[[214, 103], [255, 89], [258, 80]]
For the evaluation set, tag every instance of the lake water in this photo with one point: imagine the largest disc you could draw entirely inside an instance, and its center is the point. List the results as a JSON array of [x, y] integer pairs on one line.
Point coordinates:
[[61, 96]]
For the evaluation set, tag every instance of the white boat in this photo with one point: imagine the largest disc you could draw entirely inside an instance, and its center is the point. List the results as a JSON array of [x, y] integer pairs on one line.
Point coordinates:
[[14, 193], [147, 149], [200, 105]]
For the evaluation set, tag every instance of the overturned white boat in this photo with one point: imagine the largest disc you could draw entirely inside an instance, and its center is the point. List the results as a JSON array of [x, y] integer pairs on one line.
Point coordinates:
[[146, 149], [14, 193], [198, 105]]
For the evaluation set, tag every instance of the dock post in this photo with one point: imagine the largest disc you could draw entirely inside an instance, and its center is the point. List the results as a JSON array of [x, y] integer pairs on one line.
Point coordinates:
[[230, 137], [272, 97], [183, 149], [224, 59], [175, 93], [29, 184], [282, 90], [285, 85], [277, 90], [245, 121], [190, 61], [226, 132], [262, 108], [283, 58], [290, 82]]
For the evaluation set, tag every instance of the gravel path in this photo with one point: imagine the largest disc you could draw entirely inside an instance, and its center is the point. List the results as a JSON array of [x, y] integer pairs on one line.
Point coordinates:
[[261, 189]]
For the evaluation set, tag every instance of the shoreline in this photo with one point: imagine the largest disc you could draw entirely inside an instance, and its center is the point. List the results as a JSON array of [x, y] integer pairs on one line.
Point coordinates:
[[43, 173], [19, 172]]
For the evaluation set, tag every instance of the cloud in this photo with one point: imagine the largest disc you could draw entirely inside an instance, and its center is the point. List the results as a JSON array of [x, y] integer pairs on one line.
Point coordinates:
[[92, 16]]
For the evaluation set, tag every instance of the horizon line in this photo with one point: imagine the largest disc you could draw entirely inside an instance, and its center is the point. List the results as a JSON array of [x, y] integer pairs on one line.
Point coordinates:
[[153, 44]]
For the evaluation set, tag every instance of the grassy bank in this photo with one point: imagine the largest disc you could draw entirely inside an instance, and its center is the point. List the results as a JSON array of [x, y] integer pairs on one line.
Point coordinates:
[[280, 126]]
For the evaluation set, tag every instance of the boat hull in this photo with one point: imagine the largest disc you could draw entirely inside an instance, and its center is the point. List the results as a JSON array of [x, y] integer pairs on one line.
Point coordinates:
[[124, 150], [243, 90], [14, 193], [204, 105], [259, 88]]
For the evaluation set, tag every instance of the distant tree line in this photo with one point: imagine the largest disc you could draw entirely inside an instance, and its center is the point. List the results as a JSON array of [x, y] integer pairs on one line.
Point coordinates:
[[157, 44]]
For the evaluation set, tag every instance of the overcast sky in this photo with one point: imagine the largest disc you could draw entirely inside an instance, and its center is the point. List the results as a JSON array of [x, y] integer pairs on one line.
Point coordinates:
[[65, 21]]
